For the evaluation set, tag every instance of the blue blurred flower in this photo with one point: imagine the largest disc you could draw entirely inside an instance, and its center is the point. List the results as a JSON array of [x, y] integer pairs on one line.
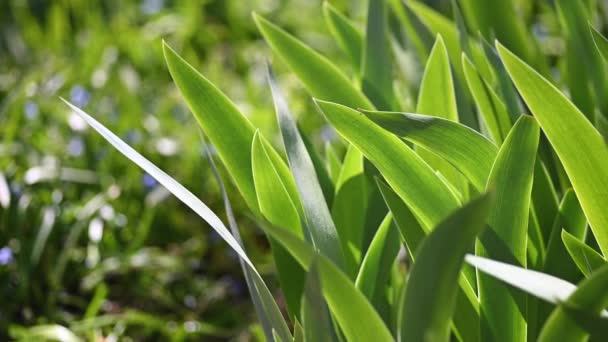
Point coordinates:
[[79, 96], [149, 181], [132, 137], [151, 6], [6, 256], [31, 110], [75, 147]]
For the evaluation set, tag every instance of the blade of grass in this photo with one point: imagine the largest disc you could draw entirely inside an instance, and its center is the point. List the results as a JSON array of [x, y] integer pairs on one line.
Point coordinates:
[[348, 36], [316, 213], [266, 308], [437, 79], [489, 105], [410, 176], [470, 152], [345, 302], [278, 208], [320, 77], [586, 258], [376, 64], [376, 265], [502, 312], [590, 296], [165, 180], [573, 133], [430, 293]]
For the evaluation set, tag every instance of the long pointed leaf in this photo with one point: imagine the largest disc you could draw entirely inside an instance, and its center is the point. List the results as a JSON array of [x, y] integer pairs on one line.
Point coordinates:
[[430, 293], [320, 77], [316, 213], [470, 152], [503, 313], [411, 177], [164, 179], [569, 135]]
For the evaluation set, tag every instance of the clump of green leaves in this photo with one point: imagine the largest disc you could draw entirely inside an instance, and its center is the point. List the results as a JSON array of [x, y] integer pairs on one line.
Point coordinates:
[[489, 162]]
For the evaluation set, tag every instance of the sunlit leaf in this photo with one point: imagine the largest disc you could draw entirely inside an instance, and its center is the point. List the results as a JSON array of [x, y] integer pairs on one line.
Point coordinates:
[[590, 296], [586, 258], [316, 213], [569, 135], [410, 177], [470, 152]]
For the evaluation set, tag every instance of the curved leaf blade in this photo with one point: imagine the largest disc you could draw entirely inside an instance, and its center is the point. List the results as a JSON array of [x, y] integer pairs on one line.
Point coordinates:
[[502, 312], [586, 258], [179, 191], [348, 36], [573, 133], [590, 296], [470, 152], [410, 176], [320, 77], [316, 213], [346, 303], [430, 293]]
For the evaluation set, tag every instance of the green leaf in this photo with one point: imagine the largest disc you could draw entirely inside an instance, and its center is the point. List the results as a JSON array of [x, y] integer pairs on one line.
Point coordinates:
[[375, 267], [585, 69], [349, 208], [586, 258], [411, 231], [470, 152], [438, 24], [266, 308], [489, 104], [437, 79], [590, 296], [229, 131], [601, 43], [278, 208], [348, 36], [571, 220], [345, 302], [316, 213], [376, 66], [325, 181], [430, 293], [501, 19], [466, 318], [412, 178], [320, 77], [275, 203], [169, 183], [569, 135], [544, 286], [315, 316], [334, 164], [502, 313]]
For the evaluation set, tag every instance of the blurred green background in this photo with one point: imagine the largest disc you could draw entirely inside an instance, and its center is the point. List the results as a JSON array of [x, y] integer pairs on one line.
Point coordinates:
[[87, 240]]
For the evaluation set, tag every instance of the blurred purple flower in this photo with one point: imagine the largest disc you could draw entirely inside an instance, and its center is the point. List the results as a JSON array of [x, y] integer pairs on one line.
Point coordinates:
[[75, 146], [79, 96], [31, 110], [149, 181], [6, 255]]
